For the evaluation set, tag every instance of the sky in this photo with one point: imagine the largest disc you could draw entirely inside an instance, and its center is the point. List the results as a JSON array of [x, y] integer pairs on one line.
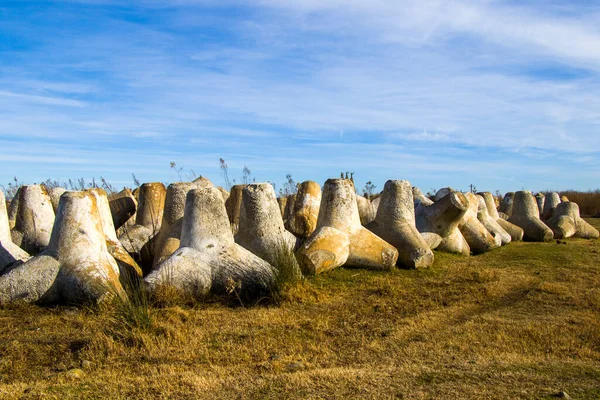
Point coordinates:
[[504, 95]]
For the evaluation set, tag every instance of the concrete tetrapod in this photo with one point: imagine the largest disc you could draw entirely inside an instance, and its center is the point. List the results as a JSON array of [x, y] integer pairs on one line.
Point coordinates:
[[76, 267], [506, 205], [340, 239], [566, 222], [122, 207], [395, 223], [261, 227], [282, 201], [516, 233], [55, 194], [433, 240], [480, 240], [526, 215], [202, 182], [540, 200], [34, 219], [290, 204], [366, 211], [375, 203], [137, 239], [442, 218], [232, 205], [224, 193], [442, 193], [10, 253], [208, 257], [13, 209], [302, 220], [128, 268], [550, 203], [491, 224], [168, 238], [500, 235]]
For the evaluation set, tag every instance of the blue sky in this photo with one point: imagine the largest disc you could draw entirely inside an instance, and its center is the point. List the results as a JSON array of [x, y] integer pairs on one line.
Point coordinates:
[[501, 94]]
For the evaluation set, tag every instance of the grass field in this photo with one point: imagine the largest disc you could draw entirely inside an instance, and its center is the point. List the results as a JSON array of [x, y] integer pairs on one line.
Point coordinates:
[[522, 321]]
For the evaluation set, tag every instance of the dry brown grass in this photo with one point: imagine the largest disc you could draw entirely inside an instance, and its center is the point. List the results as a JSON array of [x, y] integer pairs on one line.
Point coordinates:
[[522, 321]]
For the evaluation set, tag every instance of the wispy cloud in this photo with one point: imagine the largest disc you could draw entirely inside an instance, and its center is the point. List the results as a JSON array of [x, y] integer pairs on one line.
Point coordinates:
[[422, 136], [512, 89], [53, 101]]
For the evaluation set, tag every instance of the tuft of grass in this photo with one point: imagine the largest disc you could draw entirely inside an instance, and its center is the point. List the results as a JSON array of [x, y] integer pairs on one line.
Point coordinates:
[[168, 295], [130, 314], [288, 275]]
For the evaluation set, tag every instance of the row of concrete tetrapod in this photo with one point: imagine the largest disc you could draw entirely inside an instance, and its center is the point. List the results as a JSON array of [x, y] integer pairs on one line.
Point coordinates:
[[62, 246], [548, 217]]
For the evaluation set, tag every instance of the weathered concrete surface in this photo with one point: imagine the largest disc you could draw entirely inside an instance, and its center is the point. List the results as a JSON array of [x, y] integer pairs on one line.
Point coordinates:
[[339, 210], [442, 218], [34, 219], [566, 222], [516, 233], [366, 211], [302, 220], [151, 205], [261, 228], [55, 194], [232, 205], [507, 203], [138, 240], [76, 267], [224, 193], [395, 223], [202, 183], [540, 200], [525, 214], [375, 203], [326, 249], [491, 224], [443, 192], [123, 206], [168, 238], [10, 253], [208, 257], [290, 204], [128, 268], [433, 240], [550, 203], [13, 209], [480, 240], [282, 202]]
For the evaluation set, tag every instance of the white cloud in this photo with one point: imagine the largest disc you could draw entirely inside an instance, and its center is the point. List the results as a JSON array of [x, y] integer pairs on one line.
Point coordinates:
[[423, 136], [53, 101], [395, 78], [575, 39]]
